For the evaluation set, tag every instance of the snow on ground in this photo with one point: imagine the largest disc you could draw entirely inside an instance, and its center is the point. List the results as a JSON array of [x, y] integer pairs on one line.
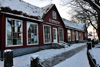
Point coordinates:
[[78, 60], [24, 61], [95, 52]]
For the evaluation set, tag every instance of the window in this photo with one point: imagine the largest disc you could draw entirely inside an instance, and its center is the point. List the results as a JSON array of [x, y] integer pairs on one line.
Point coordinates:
[[47, 34], [14, 32], [54, 15], [61, 35], [80, 36], [32, 31], [69, 35], [85, 34], [73, 36], [76, 35], [54, 33]]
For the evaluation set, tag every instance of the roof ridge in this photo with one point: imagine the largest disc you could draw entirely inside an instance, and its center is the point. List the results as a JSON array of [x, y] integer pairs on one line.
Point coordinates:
[[73, 25], [46, 8]]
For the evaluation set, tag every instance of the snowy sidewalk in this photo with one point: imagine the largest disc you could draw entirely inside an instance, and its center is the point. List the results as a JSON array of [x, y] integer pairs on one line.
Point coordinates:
[[61, 57], [78, 60], [24, 61], [95, 53]]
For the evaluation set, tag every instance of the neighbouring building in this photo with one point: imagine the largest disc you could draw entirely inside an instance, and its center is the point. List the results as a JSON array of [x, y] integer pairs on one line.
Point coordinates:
[[25, 28], [75, 32], [92, 34]]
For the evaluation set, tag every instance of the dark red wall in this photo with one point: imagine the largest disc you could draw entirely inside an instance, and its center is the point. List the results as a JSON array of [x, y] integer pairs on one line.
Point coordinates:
[[48, 16], [3, 32], [0, 30]]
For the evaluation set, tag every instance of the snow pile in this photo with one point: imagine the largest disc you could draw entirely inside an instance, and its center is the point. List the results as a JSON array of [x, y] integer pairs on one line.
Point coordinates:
[[24, 61], [20, 5], [72, 25], [63, 44], [78, 60], [34, 56], [95, 52], [8, 50], [97, 45], [44, 54]]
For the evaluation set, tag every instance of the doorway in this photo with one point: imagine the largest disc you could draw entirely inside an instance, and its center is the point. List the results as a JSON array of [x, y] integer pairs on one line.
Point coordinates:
[[55, 35]]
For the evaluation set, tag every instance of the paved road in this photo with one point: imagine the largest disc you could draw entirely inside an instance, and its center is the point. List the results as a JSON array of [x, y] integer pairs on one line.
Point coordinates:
[[78, 60]]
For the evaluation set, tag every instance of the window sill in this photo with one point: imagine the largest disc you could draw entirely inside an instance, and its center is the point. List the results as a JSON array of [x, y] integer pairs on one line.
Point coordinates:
[[32, 44], [13, 45], [47, 43]]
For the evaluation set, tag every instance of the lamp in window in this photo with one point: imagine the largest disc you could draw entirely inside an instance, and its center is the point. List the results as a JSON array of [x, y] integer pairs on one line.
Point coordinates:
[[12, 25]]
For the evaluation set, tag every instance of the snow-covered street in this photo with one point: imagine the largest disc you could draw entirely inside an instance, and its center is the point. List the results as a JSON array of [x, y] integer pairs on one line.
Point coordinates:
[[44, 54], [78, 60]]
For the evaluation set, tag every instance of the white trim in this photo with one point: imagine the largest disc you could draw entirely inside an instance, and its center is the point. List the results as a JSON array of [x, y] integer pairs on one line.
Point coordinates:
[[70, 35], [59, 34], [21, 32], [40, 20], [37, 34], [44, 36], [56, 35], [77, 36], [53, 24]]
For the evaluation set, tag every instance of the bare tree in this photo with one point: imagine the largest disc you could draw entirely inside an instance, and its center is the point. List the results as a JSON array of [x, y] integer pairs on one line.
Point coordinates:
[[87, 11], [95, 4]]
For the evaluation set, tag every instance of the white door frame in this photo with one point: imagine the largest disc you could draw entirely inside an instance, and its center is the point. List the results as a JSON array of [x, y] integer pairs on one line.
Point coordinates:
[[55, 40]]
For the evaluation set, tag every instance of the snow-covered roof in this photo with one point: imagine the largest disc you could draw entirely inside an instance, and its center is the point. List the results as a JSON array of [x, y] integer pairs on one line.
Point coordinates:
[[20, 5], [46, 8], [35, 11], [71, 25]]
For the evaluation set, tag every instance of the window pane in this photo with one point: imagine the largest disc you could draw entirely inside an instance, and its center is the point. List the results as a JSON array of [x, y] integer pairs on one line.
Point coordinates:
[[10, 41], [54, 15], [73, 36], [69, 35], [61, 36], [76, 35], [32, 33], [47, 35], [80, 36], [13, 32]]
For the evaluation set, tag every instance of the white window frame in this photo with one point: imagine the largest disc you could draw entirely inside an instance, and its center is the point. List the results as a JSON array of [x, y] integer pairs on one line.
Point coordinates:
[[21, 32], [63, 35], [54, 15], [73, 38], [77, 36], [70, 35], [37, 33], [56, 34], [44, 35]]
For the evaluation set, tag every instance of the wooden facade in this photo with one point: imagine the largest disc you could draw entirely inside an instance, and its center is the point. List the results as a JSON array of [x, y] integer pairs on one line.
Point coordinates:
[[55, 25]]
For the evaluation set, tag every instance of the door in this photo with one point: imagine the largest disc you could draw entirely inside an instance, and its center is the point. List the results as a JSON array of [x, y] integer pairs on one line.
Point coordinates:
[[55, 35]]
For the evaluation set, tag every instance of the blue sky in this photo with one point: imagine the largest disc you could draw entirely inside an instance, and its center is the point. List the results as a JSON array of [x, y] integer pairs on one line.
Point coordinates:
[[64, 11]]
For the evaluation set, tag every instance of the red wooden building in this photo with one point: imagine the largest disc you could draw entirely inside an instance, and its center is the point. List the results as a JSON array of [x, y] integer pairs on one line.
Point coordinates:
[[27, 28]]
